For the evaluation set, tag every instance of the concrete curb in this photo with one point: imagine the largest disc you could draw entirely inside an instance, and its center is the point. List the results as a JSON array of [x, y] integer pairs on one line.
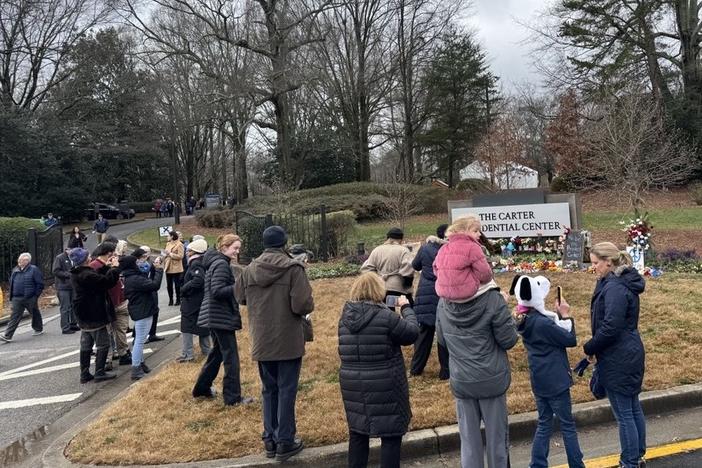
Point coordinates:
[[421, 443]]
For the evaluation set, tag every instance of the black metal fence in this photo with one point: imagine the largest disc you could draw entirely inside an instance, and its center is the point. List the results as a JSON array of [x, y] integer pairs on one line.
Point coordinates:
[[44, 246], [310, 230]]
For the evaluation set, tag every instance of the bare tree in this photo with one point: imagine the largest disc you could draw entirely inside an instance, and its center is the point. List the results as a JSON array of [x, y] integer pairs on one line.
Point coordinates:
[[35, 38], [632, 151], [402, 202]]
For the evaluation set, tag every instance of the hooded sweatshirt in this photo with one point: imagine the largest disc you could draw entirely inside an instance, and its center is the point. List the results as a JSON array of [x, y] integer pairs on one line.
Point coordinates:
[[477, 335], [277, 293]]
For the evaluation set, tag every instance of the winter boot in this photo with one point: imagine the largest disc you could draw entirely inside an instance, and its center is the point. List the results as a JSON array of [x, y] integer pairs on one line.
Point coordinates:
[[100, 360], [85, 375], [137, 373]]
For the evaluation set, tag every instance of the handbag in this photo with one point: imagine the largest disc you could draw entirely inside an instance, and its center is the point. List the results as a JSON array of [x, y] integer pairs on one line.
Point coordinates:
[[307, 330]]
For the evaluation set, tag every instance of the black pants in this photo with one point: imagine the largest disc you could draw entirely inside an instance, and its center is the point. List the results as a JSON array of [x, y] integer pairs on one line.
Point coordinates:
[[389, 451], [173, 279], [19, 304], [154, 322], [224, 351], [422, 350]]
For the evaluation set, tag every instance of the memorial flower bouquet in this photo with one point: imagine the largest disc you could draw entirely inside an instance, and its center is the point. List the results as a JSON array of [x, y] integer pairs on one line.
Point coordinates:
[[639, 232]]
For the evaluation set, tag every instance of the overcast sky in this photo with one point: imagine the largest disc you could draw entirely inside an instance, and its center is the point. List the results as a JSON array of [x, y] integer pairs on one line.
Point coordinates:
[[495, 23]]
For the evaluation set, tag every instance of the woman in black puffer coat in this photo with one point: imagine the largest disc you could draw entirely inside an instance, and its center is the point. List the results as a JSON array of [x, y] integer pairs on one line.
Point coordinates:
[[220, 313], [425, 303], [372, 374]]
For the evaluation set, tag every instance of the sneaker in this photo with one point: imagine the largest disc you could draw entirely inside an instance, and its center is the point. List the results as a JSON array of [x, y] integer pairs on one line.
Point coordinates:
[[100, 376], [75, 328], [145, 368], [270, 448], [155, 338], [242, 402], [137, 373], [86, 377], [285, 450], [125, 360], [6, 339], [70, 331], [37, 333], [184, 359]]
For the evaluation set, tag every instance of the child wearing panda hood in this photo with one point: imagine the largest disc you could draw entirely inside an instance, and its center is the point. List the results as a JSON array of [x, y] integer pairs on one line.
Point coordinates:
[[546, 336]]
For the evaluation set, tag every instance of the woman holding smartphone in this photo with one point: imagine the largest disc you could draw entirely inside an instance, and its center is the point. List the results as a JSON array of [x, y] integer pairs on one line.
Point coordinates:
[[373, 370]]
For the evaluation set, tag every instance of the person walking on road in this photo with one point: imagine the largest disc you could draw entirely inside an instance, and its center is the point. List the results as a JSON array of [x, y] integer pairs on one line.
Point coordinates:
[[93, 310], [616, 345], [64, 290], [373, 370], [220, 314], [139, 290], [100, 227], [192, 293], [26, 285], [425, 306], [278, 295], [76, 238]]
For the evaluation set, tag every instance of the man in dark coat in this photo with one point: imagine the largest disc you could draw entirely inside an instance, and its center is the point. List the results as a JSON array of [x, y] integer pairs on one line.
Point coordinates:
[[64, 290], [93, 309], [425, 306], [278, 295], [26, 285], [192, 293]]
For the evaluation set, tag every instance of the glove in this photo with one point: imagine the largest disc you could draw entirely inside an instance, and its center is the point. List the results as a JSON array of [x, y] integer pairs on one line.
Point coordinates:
[[581, 366]]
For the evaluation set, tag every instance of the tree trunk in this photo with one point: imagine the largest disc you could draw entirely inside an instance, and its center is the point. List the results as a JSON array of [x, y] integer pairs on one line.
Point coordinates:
[[689, 29]]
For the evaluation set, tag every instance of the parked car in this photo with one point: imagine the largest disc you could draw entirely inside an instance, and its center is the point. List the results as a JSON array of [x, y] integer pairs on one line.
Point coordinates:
[[109, 212]]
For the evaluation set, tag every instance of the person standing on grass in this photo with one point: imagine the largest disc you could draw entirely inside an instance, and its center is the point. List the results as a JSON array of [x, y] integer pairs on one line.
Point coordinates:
[[173, 266], [94, 311], [192, 293], [278, 295], [77, 238], [26, 285], [372, 375], [64, 290], [617, 345], [139, 291], [425, 306], [100, 227], [393, 262], [220, 314]]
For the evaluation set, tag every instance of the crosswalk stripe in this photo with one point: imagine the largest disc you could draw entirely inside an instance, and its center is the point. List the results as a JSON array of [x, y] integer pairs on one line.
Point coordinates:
[[38, 401], [40, 363], [44, 370], [26, 328]]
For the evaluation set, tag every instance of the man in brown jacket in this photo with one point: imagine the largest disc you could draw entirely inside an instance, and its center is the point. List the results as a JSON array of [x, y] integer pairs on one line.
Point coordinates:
[[278, 295]]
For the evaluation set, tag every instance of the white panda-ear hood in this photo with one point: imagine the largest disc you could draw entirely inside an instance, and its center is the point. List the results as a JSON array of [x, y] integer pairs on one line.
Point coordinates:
[[532, 292]]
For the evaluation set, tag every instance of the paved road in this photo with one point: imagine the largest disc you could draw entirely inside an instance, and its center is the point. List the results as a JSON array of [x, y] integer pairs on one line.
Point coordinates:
[[39, 376], [603, 440], [121, 231]]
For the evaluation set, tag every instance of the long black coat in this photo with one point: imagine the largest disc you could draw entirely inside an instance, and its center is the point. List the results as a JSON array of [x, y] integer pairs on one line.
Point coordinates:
[[91, 302], [219, 309], [372, 374], [426, 299], [140, 291], [616, 342], [192, 292]]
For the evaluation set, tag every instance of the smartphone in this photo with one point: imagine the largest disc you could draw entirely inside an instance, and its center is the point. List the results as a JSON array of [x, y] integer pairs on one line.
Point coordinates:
[[391, 301], [559, 294]]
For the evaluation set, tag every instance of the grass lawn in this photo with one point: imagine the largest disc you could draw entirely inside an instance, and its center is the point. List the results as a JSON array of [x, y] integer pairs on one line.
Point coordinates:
[[158, 421], [150, 236], [677, 218]]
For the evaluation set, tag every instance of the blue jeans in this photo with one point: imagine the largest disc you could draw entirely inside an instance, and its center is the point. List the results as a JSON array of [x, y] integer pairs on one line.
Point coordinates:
[[141, 333], [632, 427], [559, 405], [279, 391]]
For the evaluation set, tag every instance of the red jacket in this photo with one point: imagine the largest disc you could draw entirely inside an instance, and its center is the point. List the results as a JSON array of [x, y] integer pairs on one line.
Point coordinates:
[[460, 268], [116, 292]]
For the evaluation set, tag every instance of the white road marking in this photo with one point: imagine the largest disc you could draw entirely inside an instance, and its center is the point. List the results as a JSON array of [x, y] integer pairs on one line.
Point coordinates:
[[161, 333], [44, 370], [27, 327], [170, 321], [39, 401], [40, 363]]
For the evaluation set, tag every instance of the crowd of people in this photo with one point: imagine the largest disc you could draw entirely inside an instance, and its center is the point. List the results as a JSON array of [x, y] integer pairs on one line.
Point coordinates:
[[457, 300]]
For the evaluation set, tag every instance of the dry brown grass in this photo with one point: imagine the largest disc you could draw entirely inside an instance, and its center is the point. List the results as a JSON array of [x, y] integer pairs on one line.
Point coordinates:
[[158, 421]]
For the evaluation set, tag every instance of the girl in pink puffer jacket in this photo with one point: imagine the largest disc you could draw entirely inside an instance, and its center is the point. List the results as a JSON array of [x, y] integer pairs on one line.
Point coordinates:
[[460, 266]]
